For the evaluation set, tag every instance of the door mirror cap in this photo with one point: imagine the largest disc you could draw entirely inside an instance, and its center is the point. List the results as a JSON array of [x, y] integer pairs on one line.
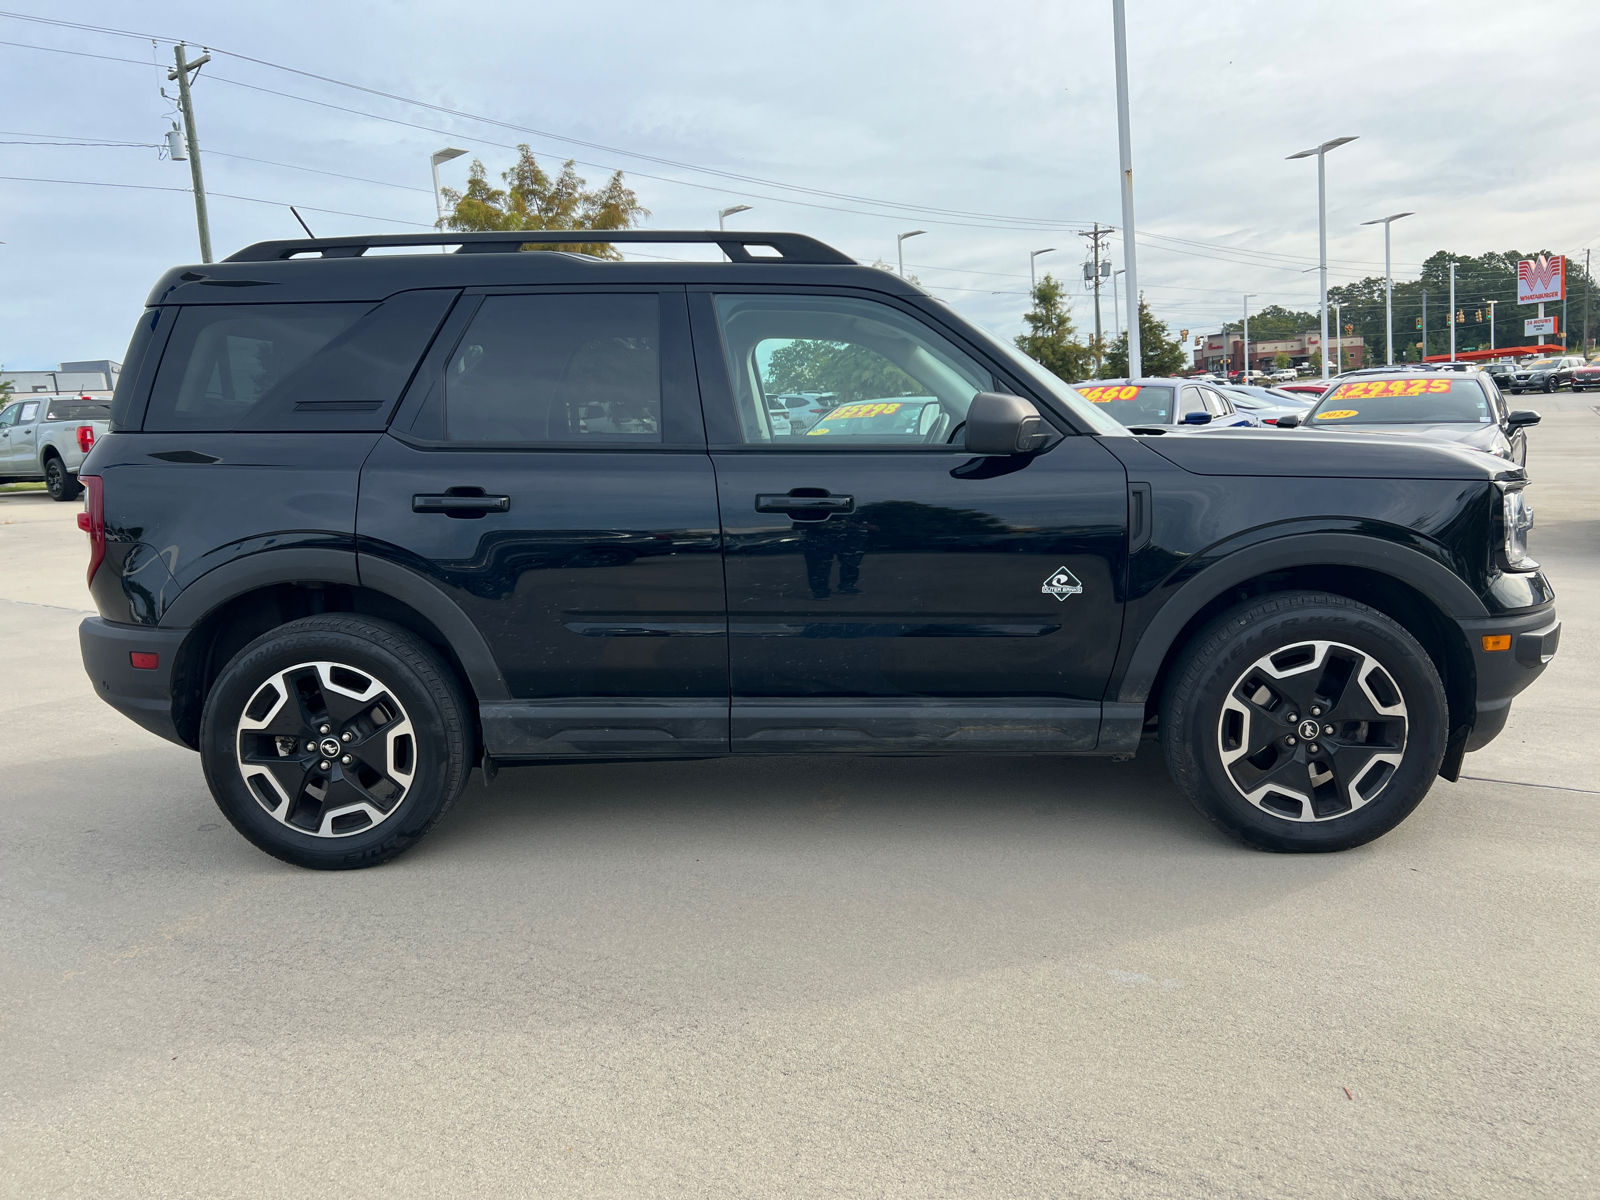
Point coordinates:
[[1288, 420], [1003, 425], [1196, 418], [1521, 418]]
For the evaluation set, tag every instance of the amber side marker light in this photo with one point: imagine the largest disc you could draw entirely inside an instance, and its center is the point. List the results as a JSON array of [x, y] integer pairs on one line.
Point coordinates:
[[1497, 641]]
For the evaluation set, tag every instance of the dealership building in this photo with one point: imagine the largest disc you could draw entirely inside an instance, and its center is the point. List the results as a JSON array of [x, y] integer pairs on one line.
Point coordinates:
[[1221, 352]]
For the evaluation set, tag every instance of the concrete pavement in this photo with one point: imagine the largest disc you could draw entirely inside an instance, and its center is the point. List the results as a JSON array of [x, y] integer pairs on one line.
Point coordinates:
[[796, 977]]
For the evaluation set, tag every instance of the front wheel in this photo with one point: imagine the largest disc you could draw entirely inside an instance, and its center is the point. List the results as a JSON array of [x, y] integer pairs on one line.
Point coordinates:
[[61, 483], [335, 741], [1304, 722]]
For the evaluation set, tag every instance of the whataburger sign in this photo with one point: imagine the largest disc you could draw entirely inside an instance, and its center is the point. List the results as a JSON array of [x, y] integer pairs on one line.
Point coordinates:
[[1541, 279]]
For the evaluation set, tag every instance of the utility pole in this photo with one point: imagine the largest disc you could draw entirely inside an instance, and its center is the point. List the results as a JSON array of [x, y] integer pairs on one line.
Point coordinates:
[[180, 73], [1244, 376], [1094, 241]]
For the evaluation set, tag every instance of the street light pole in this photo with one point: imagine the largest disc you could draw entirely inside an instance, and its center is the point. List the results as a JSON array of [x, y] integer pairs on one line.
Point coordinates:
[[1116, 309], [437, 157], [724, 213], [1119, 32], [1244, 376], [1491, 304], [1388, 281], [1452, 312], [1033, 283], [1322, 229], [1338, 333], [900, 247]]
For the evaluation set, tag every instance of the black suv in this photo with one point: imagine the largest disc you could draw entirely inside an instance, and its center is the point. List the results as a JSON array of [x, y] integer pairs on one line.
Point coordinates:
[[364, 522]]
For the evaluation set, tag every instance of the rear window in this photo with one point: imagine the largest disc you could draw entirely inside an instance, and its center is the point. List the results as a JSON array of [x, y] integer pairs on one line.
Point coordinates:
[[79, 410], [289, 367], [1403, 402], [1131, 404]]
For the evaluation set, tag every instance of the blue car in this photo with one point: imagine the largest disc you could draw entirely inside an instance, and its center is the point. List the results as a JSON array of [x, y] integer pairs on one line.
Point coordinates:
[[1163, 405]]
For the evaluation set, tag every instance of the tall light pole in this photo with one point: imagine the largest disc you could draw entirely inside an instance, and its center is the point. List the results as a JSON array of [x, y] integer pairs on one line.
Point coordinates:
[[1388, 281], [1452, 312], [1119, 35], [1244, 376], [437, 157], [1491, 304], [1338, 333], [1033, 283], [1322, 228], [1116, 309], [900, 247], [724, 213]]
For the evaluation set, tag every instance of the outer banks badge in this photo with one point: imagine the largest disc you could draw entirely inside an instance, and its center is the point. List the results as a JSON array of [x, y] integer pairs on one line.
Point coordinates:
[[1061, 584]]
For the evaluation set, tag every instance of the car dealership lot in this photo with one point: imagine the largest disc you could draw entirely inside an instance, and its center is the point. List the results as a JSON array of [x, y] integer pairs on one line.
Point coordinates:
[[887, 977]]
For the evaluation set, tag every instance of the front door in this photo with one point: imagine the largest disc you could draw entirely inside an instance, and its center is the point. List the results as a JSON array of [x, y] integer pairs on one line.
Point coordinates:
[[547, 471], [887, 590]]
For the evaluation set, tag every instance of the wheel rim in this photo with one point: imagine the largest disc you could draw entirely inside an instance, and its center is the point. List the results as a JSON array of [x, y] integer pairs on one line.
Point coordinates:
[[54, 478], [1273, 731], [326, 749]]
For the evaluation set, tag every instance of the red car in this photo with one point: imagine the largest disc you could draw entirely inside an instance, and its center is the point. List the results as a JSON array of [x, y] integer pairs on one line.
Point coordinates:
[[1586, 376], [1311, 390]]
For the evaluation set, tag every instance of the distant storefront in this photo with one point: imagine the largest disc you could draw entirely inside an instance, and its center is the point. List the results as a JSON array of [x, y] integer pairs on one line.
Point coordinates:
[[1221, 352]]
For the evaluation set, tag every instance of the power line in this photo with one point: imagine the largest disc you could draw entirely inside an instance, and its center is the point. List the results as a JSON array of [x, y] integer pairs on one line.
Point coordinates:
[[150, 187]]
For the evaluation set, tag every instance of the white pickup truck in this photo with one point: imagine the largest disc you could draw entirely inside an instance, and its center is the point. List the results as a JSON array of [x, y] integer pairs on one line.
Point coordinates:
[[47, 435]]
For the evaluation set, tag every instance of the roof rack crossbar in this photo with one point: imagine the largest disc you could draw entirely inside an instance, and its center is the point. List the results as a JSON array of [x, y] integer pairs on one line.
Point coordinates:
[[791, 248]]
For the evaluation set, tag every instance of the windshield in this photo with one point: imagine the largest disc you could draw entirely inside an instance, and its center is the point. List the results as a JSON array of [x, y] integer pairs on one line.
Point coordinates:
[[1053, 385], [1540, 364], [1131, 403], [1403, 402]]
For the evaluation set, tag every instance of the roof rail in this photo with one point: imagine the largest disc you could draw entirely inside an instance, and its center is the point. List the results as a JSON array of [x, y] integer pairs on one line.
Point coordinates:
[[778, 247]]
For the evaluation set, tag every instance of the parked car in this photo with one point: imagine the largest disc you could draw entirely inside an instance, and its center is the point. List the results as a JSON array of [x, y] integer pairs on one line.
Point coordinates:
[[1585, 377], [47, 436], [1465, 409], [1286, 375], [375, 521], [1266, 404], [1310, 389], [1163, 405], [1501, 372], [1545, 374]]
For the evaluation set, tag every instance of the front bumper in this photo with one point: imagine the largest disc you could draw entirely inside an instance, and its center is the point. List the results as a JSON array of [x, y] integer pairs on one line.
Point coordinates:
[[1502, 674], [144, 697]]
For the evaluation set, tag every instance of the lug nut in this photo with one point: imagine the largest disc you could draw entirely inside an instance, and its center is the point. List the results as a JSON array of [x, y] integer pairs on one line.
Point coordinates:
[[323, 729], [324, 764], [311, 746], [346, 760], [1288, 741], [345, 737], [1292, 718], [1314, 748], [1328, 729], [1315, 711]]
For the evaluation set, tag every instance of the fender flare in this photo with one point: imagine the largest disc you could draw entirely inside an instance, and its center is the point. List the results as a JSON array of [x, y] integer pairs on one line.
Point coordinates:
[[1437, 582], [418, 592]]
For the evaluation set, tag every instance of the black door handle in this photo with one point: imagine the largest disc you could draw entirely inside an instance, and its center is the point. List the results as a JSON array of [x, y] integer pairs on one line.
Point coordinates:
[[797, 500], [452, 504]]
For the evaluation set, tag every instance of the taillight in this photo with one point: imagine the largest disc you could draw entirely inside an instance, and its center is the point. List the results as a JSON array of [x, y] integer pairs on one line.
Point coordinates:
[[1269, 420], [85, 438], [92, 520]]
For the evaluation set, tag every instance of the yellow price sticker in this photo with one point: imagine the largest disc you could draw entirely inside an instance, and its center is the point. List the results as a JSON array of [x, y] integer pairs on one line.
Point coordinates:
[[1372, 389], [1338, 414], [1104, 395], [877, 408]]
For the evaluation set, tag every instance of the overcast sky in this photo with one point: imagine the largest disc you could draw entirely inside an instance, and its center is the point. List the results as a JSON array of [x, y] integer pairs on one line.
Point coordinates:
[[850, 121]]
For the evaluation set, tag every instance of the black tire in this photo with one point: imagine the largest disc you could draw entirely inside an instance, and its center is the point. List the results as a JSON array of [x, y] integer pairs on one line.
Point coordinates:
[[416, 694], [61, 483], [1551, 384], [1215, 670]]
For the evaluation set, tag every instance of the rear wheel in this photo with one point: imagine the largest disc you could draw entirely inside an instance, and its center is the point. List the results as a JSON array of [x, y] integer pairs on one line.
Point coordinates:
[[61, 483], [335, 742], [1304, 722]]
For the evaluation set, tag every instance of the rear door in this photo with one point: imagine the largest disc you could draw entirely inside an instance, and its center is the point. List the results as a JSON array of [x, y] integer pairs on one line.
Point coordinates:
[[887, 591], [548, 474]]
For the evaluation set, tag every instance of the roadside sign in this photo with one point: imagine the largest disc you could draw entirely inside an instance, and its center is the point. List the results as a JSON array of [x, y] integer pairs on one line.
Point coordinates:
[[1534, 326], [1541, 279]]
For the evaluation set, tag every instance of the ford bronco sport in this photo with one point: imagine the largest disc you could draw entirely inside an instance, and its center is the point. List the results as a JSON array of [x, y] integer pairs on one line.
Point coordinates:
[[364, 522]]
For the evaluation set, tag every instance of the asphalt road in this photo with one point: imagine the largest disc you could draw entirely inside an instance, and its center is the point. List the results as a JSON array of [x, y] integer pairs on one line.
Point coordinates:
[[792, 977]]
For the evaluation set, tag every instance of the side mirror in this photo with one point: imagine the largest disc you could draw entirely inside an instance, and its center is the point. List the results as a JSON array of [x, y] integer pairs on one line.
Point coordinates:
[[1289, 421], [1196, 418], [998, 425], [1521, 418]]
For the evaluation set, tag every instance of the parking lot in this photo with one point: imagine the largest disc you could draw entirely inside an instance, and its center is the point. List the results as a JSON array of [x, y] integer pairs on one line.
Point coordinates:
[[798, 977]]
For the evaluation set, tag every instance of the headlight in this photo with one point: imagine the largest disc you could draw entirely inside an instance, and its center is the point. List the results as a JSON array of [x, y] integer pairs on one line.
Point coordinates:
[[1516, 517]]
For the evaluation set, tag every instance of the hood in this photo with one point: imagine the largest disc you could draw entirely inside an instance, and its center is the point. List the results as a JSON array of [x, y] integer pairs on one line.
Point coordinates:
[[1309, 454]]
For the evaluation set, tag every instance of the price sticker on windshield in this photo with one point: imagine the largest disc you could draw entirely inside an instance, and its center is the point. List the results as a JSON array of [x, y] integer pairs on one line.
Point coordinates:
[[1371, 389], [877, 408], [1338, 414], [1104, 395]]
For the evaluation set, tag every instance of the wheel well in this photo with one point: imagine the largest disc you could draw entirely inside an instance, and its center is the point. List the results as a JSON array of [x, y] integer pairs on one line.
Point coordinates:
[[232, 626], [1412, 610]]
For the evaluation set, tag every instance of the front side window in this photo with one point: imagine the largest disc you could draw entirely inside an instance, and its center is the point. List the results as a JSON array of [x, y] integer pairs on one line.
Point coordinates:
[[8, 418], [582, 369], [879, 377]]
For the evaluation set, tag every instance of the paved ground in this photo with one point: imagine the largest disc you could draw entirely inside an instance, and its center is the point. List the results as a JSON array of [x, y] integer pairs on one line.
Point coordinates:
[[886, 978]]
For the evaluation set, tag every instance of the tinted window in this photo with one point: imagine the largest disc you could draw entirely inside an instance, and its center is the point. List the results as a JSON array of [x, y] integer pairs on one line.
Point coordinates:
[[890, 379], [80, 410], [1403, 402], [558, 368], [223, 359]]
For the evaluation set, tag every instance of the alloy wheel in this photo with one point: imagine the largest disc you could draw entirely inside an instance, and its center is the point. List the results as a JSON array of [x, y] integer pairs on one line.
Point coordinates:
[[327, 749], [1312, 731]]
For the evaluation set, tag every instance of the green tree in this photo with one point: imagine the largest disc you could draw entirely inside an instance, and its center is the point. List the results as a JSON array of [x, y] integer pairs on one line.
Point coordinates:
[[1282, 361], [1051, 340], [849, 371], [1315, 361], [532, 199], [1273, 322], [1159, 355]]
